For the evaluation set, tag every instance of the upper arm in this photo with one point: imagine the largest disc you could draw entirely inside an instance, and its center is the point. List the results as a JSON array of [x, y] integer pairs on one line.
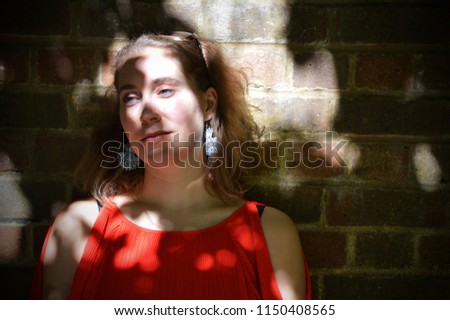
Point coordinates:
[[286, 253], [65, 247]]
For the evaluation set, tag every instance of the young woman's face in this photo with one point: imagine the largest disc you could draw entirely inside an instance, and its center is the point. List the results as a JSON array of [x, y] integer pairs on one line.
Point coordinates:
[[160, 113]]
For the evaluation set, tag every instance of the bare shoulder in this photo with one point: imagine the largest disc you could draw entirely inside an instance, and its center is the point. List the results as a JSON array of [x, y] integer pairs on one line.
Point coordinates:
[[65, 246], [274, 220], [76, 216], [286, 253]]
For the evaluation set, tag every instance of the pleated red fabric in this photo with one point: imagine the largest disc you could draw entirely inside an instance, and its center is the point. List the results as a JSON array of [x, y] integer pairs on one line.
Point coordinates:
[[125, 261]]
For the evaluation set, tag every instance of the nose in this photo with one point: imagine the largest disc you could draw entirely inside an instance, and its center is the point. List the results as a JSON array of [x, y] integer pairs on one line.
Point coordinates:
[[149, 113]]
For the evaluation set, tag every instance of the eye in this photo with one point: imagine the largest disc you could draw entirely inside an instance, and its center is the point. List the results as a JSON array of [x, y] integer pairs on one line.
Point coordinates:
[[165, 92], [130, 98]]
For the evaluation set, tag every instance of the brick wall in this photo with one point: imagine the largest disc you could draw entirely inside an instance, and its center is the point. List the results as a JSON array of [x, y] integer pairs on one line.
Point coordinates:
[[373, 217]]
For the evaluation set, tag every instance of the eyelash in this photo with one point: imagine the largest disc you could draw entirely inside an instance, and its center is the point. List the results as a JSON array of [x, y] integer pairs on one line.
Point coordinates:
[[129, 96], [164, 92], [169, 91]]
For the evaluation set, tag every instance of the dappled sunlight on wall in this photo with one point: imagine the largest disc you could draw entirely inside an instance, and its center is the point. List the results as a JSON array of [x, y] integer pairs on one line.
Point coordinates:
[[427, 169], [13, 201]]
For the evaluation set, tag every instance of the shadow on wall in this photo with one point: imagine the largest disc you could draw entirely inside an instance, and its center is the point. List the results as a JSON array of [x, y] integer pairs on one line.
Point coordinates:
[[393, 105], [51, 60]]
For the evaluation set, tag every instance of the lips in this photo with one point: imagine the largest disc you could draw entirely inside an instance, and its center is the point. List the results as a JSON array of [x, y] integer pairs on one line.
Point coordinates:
[[155, 135]]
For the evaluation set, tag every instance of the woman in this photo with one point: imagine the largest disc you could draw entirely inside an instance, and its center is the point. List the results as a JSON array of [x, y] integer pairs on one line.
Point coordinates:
[[167, 219]]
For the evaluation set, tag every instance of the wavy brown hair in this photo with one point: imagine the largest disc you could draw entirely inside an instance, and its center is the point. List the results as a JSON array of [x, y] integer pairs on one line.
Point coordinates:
[[204, 65]]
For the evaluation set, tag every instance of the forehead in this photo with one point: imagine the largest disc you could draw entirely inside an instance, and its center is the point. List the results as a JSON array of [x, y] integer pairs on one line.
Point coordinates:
[[151, 63]]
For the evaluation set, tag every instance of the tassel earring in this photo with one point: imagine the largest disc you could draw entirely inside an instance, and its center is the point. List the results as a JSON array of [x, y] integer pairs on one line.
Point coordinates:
[[127, 159], [210, 141]]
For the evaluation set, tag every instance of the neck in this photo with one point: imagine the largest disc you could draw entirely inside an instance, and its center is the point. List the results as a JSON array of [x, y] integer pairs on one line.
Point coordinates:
[[175, 188]]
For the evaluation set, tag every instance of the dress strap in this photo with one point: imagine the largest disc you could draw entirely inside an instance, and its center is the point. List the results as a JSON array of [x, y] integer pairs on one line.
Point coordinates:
[[99, 205], [260, 208]]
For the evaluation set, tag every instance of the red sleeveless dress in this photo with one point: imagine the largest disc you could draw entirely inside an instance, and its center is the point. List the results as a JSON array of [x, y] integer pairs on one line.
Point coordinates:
[[124, 261]]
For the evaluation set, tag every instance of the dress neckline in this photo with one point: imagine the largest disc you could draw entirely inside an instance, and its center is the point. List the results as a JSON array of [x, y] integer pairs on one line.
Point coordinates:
[[117, 212]]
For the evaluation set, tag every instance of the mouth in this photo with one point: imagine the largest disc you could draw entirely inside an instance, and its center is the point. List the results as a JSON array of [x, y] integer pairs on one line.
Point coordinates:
[[155, 135]]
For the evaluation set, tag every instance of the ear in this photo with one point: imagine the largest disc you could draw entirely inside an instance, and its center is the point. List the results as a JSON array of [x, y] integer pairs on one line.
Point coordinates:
[[211, 103]]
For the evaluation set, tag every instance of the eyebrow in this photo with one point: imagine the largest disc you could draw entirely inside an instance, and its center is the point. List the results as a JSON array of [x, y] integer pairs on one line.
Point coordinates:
[[156, 82], [126, 87]]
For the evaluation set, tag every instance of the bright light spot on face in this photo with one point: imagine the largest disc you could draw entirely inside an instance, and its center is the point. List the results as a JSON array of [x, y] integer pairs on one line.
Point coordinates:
[[205, 261], [427, 168]]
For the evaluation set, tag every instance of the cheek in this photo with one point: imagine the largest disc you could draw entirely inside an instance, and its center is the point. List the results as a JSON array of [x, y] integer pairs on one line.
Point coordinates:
[[128, 123], [189, 112], [193, 122], [126, 118]]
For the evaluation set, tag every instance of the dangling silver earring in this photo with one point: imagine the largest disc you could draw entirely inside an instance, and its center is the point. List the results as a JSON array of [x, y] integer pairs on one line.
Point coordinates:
[[127, 159], [210, 141]]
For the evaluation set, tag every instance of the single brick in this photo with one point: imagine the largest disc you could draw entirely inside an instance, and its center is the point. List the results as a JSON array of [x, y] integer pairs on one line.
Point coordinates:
[[313, 158], [245, 22], [33, 110], [435, 207], [324, 249], [316, 158], [369, 115], [434, 252], [382, 115], [58, 153], [391, 287], [12, 243], [402, 23], [307, 24], [321, 70], [384, 162], [384, 72], [14, 65], [435, 72], [66, 66], [384, 207], [279, 113], [427, 117], [384, 250], [264, 65]]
